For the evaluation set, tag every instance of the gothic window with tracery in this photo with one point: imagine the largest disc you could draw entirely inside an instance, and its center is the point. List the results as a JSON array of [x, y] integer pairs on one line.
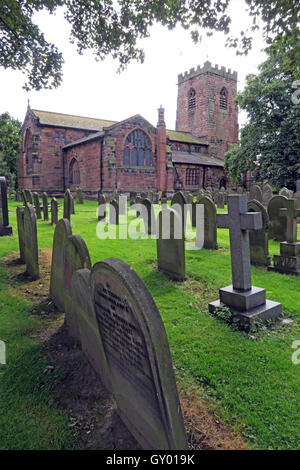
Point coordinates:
[[137, 151]]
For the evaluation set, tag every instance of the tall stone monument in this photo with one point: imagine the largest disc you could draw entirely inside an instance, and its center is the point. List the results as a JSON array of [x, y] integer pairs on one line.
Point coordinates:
[[5, 228]]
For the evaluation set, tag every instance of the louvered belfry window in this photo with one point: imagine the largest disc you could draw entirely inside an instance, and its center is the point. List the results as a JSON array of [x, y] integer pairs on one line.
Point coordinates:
[[191, 100], [223, 98], [137, 151]]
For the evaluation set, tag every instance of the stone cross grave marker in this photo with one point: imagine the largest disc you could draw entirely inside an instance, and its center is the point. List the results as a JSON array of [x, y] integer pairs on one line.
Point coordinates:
[[246, 302], [31, 243], [54, 211], [37, 205], [138, 356], [5, 228], [45, 206], [170, 244], [259, 249]]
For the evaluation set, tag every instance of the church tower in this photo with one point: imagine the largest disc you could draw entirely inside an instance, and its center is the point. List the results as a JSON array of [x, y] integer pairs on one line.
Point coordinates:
[[205, 106]]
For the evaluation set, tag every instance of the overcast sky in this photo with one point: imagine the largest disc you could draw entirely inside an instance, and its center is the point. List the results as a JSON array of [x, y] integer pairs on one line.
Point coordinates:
[[95, 89]]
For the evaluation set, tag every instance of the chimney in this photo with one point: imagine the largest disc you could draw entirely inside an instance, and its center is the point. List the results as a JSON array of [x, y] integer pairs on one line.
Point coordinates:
[[161, 151]]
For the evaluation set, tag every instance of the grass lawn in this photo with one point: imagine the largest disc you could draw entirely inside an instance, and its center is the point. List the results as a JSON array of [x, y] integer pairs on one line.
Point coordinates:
[[249, 382]]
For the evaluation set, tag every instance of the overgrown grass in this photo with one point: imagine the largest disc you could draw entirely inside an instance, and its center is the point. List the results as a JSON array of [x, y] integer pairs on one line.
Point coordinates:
[[250, 381]]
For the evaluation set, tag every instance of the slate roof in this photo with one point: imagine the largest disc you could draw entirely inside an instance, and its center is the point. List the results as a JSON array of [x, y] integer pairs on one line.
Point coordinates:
[[196, 159], [184, 137], [88, 138], [67, 120]]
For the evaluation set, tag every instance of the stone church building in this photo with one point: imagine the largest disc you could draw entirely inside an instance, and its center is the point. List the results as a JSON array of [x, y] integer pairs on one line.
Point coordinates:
[[61, 151]]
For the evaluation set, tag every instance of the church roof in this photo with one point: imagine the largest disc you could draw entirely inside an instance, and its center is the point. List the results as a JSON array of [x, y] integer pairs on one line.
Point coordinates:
[[196, 159], [179, 136], [67, 120]]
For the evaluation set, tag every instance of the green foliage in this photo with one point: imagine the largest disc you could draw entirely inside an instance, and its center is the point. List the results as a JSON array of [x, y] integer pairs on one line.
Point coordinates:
[[113, 28], [270, 140], [10, 144]]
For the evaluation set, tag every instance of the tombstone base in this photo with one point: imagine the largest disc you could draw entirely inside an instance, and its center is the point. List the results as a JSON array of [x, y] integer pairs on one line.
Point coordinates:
[[268, 311], [286, 264], [4, 231], [242, 300]]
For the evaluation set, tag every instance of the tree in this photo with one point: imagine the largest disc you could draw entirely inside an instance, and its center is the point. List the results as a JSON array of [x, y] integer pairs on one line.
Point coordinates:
[[112, 27], [270, 141], [10, 144]]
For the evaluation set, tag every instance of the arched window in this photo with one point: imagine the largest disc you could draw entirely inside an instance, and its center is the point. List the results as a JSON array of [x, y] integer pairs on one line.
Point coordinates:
[[191, 100], [223, 98], [137, 151], [28, 150], [74, 172]]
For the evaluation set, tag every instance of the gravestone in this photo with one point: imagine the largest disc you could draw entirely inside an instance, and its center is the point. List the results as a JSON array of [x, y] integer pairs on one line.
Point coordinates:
[[286, 192], [297, 186], [28, 195], [138, 356], [31, 253], [67, 205], [148, 216], [54, 211], [69, 254], [221, 200], [210, 225], [37, 205], [259, 248], [288, 262], [178, 203], [23, 197], [45, 206], [21, 232], [114, 212], [5, 228], [170, 244], [102, 209], [79, 196], [267, 194], [72, 205], [247, 303], [277, 222], [255, 193], [84, 312]]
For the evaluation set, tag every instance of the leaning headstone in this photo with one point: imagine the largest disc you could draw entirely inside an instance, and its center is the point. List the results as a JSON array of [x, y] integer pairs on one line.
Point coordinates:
[[69, 254], [148, 216], [84, 312], [54, 211], [210, 226], [67, 205], [114, 212], [277, 222], [79, 196], [288, 262], [31, 253], [170, 244], [138, 356], [247, 303], [21, 231], [37, 205], [45, 206], [101, 207], [267, 194], [255, 193], [28, 196], [5, 228], [259, 248]]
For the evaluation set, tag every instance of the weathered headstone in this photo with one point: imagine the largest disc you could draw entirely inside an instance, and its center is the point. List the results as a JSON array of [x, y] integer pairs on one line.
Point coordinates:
[[277, 222], [79, 196], [54, 211], [210, 225], [84, 312], [148, 216], [255, 193], [178, 203], [221, 200], [114, 212], [37, 205], [68, 255], [31, 253], [288, 262], [28, 196], [72, 205], [45, 206], [67, 205], [137, 352], [170, 244], [21, 231], [286, 192], [102, 208], [267, 194], [5, 228], [247, 303], [23, 197], [259, 249]]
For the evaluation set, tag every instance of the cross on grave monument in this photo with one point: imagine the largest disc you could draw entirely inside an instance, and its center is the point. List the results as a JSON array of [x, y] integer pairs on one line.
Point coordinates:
[[288, 261], [245, 301]]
